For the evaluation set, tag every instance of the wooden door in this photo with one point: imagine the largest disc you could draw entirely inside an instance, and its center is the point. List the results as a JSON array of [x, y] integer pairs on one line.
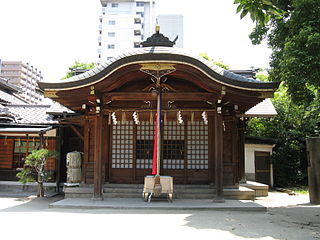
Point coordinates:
[[184, 152], [262, 167]]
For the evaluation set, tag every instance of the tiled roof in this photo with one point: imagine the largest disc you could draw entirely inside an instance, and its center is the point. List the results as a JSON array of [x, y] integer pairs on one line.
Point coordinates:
[[263, 109], [168, 50], [6, 98], [174, 55], [5, 84], [32, 114], [57, 109]]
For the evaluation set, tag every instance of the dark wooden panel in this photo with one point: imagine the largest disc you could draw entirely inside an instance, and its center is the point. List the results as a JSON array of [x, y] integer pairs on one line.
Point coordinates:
[[8, 174], [121, 175], [51, 163], [228, 174], [262, 167], [88, 172], [6, 153]]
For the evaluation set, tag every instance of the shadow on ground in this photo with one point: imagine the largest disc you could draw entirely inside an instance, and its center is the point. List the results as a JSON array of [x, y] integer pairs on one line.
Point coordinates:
[[293, 222]]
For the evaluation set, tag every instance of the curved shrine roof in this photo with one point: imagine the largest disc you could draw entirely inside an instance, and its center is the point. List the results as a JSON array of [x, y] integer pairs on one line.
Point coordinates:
[[164, 55]]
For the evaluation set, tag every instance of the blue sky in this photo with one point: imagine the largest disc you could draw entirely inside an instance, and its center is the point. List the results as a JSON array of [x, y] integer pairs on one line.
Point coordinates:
[[51, 35]]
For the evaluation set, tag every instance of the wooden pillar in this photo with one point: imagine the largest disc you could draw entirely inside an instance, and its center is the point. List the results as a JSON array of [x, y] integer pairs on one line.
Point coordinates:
[[211, 148], [235, 150], [218, 153], [106, 150], [86, 144], [42, 142], [242, 176], [98, 161]]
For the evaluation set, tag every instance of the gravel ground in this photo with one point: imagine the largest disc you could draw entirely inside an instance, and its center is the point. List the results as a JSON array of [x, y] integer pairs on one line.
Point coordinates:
[[288, 217]]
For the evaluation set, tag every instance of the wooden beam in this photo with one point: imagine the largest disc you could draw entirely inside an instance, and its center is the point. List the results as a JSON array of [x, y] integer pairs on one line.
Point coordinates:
[[143, 96], [76, 132]]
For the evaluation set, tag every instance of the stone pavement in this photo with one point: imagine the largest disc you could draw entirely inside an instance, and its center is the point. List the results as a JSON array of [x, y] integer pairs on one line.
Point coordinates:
[[180, 204], [274, 200], [287, 217]]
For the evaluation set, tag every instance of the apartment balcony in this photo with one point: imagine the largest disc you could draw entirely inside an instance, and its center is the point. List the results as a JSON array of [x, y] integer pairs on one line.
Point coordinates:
[[11, 68], [9, 75], [138, 27]]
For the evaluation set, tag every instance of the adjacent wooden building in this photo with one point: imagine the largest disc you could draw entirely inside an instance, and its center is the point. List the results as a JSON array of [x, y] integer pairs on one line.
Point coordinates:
[[202, 116], [21, 125]]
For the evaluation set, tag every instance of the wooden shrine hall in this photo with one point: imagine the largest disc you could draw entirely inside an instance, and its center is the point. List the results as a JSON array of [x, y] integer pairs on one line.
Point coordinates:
[[201, 122]]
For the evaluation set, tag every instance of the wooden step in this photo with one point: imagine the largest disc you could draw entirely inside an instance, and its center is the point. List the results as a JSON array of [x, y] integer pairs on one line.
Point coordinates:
[[180, 192]]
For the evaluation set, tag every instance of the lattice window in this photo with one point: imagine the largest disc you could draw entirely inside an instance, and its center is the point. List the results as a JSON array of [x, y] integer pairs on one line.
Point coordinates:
[[22, 148], [197, 145], [173, 146], [144, 145], [122, 145]]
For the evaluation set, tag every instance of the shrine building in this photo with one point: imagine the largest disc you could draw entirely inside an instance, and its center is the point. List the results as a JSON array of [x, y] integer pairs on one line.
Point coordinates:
[[202, 110]]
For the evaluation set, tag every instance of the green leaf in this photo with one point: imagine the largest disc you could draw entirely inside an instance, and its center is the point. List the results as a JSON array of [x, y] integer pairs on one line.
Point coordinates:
[[244, 13], [267, 2], [239, 8]]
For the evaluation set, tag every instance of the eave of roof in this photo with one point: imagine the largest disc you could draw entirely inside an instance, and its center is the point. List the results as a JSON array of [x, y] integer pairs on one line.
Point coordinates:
[[26, 130], [159, 54], [262, 109], [4, 83], [259, 140]]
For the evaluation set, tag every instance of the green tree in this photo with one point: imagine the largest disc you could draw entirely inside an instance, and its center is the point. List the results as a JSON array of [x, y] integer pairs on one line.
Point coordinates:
[[260, 11], [78, 66], [289, 129], [293, 34], [34, 169], [218, 63]]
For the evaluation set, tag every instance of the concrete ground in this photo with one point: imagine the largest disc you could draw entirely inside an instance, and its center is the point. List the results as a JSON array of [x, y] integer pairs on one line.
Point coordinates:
[[287, 217]]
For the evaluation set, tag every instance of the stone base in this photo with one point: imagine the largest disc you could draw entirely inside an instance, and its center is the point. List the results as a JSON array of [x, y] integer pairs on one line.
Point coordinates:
[[260, 189], [180, 192]]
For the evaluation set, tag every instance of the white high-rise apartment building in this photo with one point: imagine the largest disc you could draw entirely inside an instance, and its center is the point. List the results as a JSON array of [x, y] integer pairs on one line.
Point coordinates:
[[25, 76], [171, 25], [124, 24]]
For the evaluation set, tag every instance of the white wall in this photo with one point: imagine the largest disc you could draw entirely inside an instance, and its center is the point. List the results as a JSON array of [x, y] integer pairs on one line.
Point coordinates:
[[250, 149]]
